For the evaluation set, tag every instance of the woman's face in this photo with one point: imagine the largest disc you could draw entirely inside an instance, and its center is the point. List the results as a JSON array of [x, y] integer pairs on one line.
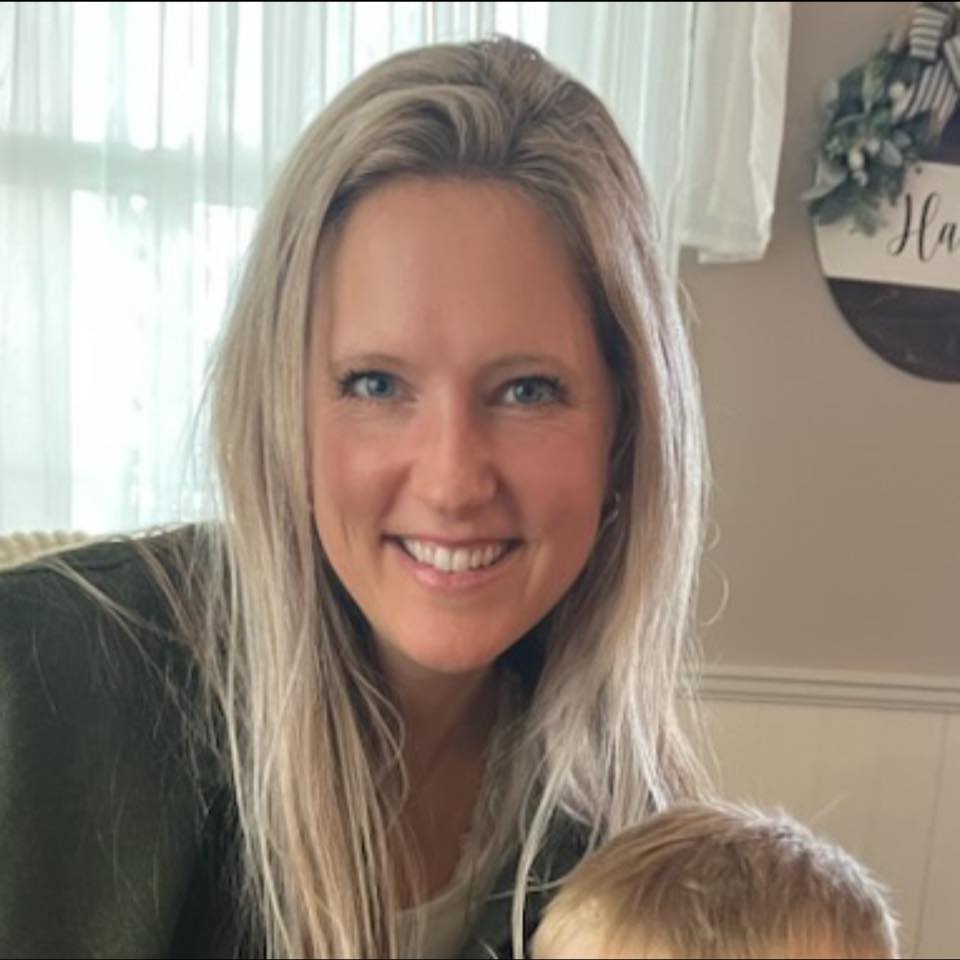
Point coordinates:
[[461, 418]]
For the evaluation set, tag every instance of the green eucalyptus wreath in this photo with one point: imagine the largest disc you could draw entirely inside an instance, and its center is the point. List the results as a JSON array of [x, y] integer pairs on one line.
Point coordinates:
[[865, 151]]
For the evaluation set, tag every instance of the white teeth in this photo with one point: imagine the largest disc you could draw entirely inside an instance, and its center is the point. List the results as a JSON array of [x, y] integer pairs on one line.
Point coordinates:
[[457, 560]]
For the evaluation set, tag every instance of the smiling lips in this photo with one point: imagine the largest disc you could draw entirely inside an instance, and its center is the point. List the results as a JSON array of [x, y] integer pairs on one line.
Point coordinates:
[[459, 559]]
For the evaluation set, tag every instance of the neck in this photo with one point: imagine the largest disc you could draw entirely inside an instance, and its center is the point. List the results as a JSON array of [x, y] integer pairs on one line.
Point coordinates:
[[443, 714], [447, 721]]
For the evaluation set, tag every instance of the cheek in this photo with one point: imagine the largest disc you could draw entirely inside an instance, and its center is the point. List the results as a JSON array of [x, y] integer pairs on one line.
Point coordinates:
[[562, 480], [349, 481]]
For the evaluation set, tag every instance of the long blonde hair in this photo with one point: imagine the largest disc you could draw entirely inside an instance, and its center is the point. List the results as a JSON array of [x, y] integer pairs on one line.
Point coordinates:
[[308, 734]]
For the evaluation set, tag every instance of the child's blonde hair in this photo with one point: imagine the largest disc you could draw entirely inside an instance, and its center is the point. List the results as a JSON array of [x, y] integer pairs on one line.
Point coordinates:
[[721, 881]]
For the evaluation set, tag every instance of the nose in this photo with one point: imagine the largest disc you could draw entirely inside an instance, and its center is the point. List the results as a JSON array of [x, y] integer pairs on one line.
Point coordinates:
[[453, 470]]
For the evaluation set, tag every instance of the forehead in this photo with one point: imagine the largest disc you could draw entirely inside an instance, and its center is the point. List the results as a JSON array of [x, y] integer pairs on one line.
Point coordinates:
[[461, 265]]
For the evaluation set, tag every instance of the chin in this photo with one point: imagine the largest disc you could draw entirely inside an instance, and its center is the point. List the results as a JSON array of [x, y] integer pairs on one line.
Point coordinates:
[[453, 663], [451, 656]]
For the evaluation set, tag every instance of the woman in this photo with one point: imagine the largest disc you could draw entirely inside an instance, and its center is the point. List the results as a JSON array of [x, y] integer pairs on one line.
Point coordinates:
[[431, 652]]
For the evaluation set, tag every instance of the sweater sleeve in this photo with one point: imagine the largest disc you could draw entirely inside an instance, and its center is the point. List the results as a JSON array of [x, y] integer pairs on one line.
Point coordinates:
[[100, 817]]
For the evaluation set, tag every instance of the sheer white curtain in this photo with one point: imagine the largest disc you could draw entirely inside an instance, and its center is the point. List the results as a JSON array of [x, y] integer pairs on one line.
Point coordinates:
[[136, 140]]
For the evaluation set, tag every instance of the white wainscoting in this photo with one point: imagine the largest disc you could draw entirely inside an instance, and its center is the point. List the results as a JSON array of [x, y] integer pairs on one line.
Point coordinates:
[[872, 761]]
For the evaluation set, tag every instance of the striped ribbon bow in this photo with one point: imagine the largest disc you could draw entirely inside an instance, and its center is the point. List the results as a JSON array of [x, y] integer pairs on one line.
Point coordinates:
[[933, 38]]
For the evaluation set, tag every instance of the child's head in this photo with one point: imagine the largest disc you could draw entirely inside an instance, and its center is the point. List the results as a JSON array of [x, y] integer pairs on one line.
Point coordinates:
[[718, 881]]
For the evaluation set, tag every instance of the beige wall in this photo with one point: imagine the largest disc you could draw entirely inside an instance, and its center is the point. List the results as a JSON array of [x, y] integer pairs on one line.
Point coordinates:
[[830, 766], [837, 476]]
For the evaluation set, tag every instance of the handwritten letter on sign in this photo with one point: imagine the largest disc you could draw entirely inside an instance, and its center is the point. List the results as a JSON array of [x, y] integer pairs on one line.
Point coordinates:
[[900, 289]]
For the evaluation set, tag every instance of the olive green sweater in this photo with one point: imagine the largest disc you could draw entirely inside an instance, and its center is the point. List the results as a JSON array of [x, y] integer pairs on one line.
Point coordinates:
[[115, 839]]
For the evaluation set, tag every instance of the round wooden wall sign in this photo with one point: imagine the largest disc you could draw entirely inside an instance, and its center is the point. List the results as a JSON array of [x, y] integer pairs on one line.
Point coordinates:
[[900, 288]]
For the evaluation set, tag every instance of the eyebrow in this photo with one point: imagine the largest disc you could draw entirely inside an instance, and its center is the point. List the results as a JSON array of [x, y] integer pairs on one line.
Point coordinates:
[[370, 361], [524, 360], [506, 362]]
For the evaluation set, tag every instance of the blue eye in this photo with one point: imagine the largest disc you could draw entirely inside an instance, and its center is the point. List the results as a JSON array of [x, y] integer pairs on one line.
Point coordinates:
[[534, 391], [368, 385]]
